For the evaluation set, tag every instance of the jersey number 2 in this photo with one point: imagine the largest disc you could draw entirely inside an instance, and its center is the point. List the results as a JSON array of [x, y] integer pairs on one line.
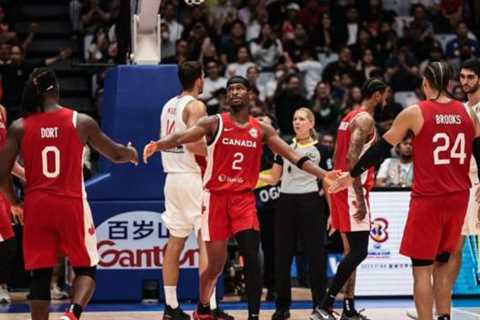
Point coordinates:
[[237, 159], [457, 151], [56, 159]]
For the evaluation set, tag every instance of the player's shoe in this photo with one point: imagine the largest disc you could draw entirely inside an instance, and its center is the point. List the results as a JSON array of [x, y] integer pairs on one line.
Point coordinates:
[[68, 316], [200, 316], [356, 315], [281, 315], [219, 314], [322, 314], [57, 294], [412, 314], [174, 314], [4, 295]]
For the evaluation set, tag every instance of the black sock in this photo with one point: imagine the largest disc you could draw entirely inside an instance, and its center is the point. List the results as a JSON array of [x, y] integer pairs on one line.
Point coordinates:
[[203, 308], [76, 309], [444, 317], [328, 301], [348, 306]]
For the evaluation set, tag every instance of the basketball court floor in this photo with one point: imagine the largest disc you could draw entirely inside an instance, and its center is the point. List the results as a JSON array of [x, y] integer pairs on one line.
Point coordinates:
[[380, 309]]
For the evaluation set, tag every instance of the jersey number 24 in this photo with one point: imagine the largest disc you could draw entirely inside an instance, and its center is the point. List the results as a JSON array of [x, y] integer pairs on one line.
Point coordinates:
[[445, 152]]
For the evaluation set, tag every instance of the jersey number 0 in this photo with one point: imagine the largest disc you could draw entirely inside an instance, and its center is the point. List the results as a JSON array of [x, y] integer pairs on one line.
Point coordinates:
[[56, 162]]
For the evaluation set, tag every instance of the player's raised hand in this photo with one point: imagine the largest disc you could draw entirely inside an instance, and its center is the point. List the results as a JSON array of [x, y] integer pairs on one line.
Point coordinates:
[[134, 156], [149, 150], [330, 177], [17, 213], [340, 183]]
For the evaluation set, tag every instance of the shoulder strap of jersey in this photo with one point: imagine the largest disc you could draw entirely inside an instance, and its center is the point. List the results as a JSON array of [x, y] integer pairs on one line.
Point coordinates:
[[219, 131]]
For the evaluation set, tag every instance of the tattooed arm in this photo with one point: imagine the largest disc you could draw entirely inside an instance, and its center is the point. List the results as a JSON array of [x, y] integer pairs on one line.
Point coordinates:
[[361, 129]]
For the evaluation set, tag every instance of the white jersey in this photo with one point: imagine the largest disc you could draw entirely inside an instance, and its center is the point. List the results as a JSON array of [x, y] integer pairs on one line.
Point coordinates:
[[473, 163], [176, 160]]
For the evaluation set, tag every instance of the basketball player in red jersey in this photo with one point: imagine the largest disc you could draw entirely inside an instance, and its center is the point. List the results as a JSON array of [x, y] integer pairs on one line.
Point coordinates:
[[442, 148], [57, 221], [8, 243], [350, 210], [233, 164]]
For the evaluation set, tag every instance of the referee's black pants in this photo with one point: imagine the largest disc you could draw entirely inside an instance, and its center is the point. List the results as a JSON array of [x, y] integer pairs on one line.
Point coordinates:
[[299, 217]]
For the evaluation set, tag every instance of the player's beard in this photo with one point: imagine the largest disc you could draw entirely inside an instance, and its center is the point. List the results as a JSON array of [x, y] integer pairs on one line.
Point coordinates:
[[472, 90]]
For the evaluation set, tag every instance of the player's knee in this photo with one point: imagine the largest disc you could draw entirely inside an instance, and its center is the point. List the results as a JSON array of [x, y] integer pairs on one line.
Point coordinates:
[[40, 284], [442, 257], [90, 272]]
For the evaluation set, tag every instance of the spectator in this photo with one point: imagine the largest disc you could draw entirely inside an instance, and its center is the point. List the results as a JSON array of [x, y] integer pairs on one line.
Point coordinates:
[[353, 100], [268, 91], [223, 13], [181, 53], [288, 26], [463, 40], [266, 49], [232, 43], [167, 46], [97, 52], [311, 15], [5, 52], [287, 100], [402, 71], [95, 15], [243, 62], [259, 18], [421, 32], [6, 32], [212, 83], [384, 117], [310, 68], [364, 42], [252, 76], [397, 172], [353, 24], [327, 140], [326, 110], [436, 54], [344, 64], [247, 13], [175, 28], [367, 64]]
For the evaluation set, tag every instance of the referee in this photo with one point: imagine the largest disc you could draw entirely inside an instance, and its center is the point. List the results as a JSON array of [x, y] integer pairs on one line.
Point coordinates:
[[300, 214]]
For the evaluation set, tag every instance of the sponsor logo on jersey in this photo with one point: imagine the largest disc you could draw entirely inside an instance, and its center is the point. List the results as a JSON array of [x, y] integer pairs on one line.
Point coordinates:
[[224, 178], [239, 142], [253, 132]]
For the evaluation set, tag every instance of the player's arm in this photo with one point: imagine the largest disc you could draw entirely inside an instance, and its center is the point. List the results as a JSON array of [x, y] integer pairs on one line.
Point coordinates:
[[409, 119], [205, 127], [280, 147], [8, 154], [98, 140], [193, 112], [18, 171], [273, 176]]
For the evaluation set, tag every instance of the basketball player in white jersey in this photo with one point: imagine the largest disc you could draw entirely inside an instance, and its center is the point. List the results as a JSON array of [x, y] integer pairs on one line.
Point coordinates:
[[183, 185]]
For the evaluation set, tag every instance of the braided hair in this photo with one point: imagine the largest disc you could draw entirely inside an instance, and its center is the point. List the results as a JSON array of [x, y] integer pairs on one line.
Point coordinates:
[[42, 81], [438, 75], [371, 86]]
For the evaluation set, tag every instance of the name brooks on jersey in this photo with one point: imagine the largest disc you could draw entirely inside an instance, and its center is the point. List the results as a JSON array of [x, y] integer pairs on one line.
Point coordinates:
[[454, 119], [49, 133]]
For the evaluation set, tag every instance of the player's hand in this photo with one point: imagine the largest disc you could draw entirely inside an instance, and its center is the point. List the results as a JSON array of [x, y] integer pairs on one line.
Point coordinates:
[[329, 226], [17, 213], [134, 156], [149, 150], [342, 182], [331, 176], [361, 211]]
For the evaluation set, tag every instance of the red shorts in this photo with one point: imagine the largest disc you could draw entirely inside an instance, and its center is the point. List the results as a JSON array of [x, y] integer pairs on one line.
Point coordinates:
[[6, 230], [55, 227], [226, 214], [434, 225], [344, 207]]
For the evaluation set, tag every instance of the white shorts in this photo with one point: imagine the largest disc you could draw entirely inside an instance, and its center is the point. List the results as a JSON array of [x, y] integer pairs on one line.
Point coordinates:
[[183, 203], [471, 226]]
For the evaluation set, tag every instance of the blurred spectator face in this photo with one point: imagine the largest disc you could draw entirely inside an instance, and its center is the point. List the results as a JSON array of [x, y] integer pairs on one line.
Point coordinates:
[[267, 31], [199, 31], [436, 53], [352, 14], [238, 30], [252, 75], [113, 50], [256, 112], [242, 55], [465, 52], [5, 52], [346, 80], [182, 47], [326, 21], [252, 96], [368, 57], [356, 94], [169, 12], [328, 141], [292, 14], [2, 14], [363, 36], [293, 84], [16, 55], [302, 123], [323, 90], [212, 70], [462, 30], [469, 80], [300, 32], [385, 27], [405, 149], [345, 55], [165, 31], [419, 13]]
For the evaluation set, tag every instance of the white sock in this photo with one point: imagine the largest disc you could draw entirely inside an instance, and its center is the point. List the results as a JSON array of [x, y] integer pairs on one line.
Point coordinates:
[[213, 300], [171, 296]]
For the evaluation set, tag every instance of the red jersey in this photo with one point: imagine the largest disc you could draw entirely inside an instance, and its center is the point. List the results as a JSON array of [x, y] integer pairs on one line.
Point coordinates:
[[343, 143], [233, 161], [442, 149], [4, 204], [53, 154]]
